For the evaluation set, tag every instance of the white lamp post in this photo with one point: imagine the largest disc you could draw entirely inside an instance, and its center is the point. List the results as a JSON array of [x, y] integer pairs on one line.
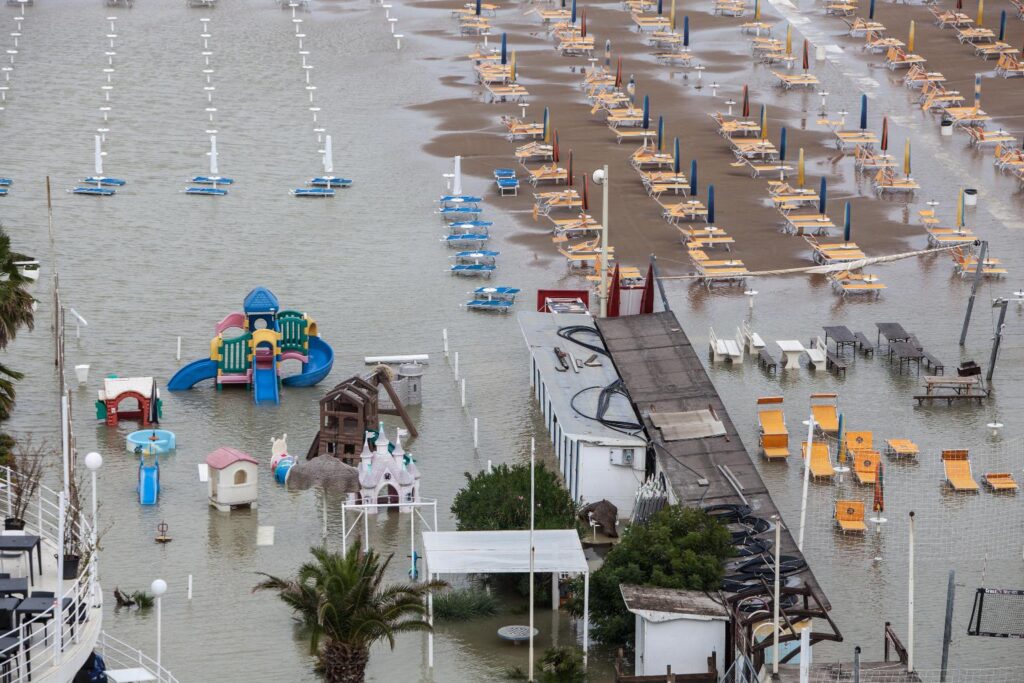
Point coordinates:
[[158, 587], [601, 178], [93, 462]]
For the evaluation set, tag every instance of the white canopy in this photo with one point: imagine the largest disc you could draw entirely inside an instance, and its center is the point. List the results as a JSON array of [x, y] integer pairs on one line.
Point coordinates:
[[503, 552]]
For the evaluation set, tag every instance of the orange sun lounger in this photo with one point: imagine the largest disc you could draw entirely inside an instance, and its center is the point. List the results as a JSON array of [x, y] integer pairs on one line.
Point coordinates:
[[865, 466], [958, 470], [825, 409], [821, 463], [1000, 481], [849, 515], [774, 436]]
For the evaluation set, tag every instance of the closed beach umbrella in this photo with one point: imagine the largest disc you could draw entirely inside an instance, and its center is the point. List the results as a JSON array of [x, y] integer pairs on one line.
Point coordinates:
[[789, 40], [570, 179], [846, 223], [757, 10], [1002, 26], [675, 157], [647, 298], [906, 158], [800, 169], [504, 48], [686, 31], [647, 112], [618, 73], [910, 37], [574, 12], [693, 177], [583, 23], [878, 505], [960, 209], [478, 8], [746, 102], [977, 90], [660, 7], [512, 67], [980, 21], [554, 146], [661, 133], [782, 144], [863, 112], [711, 204], [871, 10], [672, 16], [807, 59], [631, 89], [586, 194], [822, 195], [615, 295], [764, 122], [608, 52], [959, 5], [547, 126], [839, 440], [885, 134]]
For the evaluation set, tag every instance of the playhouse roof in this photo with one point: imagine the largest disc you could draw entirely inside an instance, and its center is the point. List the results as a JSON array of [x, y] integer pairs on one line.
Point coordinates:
[[226, 456], [115, 386], [261, 300]]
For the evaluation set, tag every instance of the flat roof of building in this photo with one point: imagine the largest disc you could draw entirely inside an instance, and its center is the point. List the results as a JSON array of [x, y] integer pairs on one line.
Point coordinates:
[[574, 394], [664, 374], [672, 601]]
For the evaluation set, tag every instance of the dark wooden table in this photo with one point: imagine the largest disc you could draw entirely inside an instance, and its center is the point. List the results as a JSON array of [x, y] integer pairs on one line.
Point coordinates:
[[24, 544], [893, 332], [905, 352], [14, 587], [841, 335]]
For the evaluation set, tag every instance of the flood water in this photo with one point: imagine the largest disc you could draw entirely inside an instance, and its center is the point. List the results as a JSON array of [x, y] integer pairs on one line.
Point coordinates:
[[152, 264]]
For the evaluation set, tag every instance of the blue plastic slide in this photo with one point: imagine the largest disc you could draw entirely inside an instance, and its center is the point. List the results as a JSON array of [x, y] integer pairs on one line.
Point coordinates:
[[321, 360], [264, 383], [193, 373], [149, 482]]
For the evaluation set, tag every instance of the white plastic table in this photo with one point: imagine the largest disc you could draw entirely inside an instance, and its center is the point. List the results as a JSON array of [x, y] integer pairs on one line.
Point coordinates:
[[137, 675], [791, 350]]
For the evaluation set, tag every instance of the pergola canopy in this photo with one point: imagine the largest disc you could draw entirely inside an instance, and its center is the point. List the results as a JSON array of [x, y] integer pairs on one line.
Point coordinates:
[[503, 552]]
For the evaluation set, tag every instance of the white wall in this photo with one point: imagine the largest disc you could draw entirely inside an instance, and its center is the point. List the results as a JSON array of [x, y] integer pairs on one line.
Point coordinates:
[[600, 479], [685, 644]]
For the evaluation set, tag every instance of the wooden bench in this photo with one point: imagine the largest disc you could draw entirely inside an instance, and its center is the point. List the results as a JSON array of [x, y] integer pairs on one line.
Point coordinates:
[[766, 361], [866, 347], [835, 362]]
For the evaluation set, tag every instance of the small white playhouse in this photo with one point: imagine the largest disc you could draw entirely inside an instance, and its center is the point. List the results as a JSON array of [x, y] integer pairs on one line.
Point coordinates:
[[232, 478], [388, 477]]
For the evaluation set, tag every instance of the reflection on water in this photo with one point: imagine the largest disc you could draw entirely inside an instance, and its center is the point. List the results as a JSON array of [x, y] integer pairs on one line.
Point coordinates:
[[151, 265]]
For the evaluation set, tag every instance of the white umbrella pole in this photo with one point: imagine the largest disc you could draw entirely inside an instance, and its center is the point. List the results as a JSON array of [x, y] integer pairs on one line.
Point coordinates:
[[98, 158], [807, 476], [457, 182], [328, 156]]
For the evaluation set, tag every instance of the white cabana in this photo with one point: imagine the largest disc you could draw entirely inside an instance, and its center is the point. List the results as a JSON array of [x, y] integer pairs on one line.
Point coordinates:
[[505, 552]]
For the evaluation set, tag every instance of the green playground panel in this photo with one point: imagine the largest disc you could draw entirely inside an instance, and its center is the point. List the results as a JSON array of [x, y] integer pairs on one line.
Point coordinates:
[[293, 331], [234, 355]]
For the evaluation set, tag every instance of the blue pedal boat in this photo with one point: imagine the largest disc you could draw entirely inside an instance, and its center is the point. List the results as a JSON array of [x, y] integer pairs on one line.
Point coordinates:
[[313, 192], [207, 191], [330, 181]]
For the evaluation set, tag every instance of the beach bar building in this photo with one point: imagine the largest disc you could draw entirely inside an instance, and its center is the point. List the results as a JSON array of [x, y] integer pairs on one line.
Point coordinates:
[[599, 456]]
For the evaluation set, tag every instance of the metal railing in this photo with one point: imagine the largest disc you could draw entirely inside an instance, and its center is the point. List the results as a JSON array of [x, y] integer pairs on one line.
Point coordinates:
[[119, 654]]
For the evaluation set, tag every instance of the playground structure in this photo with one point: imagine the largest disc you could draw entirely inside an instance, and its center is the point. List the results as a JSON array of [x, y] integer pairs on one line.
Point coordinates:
[[149, 479], [280, 462], [232, 479], [268, 337], [350, 410], [156, 441], [387, 474], [117, 389]]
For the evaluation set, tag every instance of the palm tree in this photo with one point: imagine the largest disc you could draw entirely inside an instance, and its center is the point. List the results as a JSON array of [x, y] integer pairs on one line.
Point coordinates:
[[15, 312], [344, 606]]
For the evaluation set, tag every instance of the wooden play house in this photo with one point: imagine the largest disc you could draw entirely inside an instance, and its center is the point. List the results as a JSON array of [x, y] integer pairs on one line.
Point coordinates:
[[348, 411], [232, 479], [141, 391]]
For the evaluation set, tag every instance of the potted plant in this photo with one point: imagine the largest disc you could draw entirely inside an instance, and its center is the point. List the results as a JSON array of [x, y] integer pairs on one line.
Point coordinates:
[[25, 472], [75, 546]]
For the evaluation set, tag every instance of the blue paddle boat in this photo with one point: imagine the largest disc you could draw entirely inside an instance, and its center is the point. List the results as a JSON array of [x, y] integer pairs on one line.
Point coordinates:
[[315, 192]]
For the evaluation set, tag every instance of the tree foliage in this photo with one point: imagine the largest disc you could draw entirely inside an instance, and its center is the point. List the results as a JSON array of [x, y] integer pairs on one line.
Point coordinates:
[[15, 312], [678, 548], [501, 500]]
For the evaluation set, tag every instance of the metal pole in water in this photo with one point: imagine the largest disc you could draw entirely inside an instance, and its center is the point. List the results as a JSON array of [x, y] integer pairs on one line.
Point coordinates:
[[444, 338], [775, 606], [463, 392], [982, 252], [856, 664], [910, 599], [178, 354], [998, 338], [456, 366], [807, 476], [476, 433], [947, 634], [189, 586]]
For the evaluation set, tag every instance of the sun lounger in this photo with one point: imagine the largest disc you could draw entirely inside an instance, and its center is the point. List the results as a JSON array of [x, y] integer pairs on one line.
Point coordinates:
[[730, 8], [848, 282], [664, 39], [835, 252], [655, 23], [804, 80], [689, 210], [958, 471], [774, 437], [849, 515], [704, 239], [756, 27], [867, 160], [647, 156], [995, 49], [918, 76], [577, 47], [518, 128], [859, 27], [966, 116], [865, 466], [876, 43], [547, 174], [838, 8], [975, 35], [825, 411], [901, 448], [1009, 66], [727, 128], [674, 58], [1000, 481], [821, 463], [506, 93], [980, 136], [856, 138], [897, 58], [712, 272], [945, 236], [950, 19], [811, 223], [886, 180], [533, 151]]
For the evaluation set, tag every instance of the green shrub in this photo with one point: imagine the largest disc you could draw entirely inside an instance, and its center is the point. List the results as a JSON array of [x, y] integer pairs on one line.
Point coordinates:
[[460, 605], [562, 665], [501, 500]]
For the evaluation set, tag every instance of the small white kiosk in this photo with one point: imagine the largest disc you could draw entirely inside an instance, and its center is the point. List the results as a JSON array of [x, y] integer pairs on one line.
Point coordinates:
[[232, 478], [676, 628]]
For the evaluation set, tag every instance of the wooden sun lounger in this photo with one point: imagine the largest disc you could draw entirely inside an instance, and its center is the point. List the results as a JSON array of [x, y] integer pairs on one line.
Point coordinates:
[[901, 448], [840, 9], [861, 138], [958, 471], [875, 42], [825, 412], [506, 93], [849, 515], [860, 26], [950, 19], [980, 136], [897, 58], [674, 58], [821, 464], [997, 48], [756, 27], [729, 127], [887, 181], [1009, 66], [1000, 481], [730, 8], [636, 134], [548, 173], [867, 160], [918, 76], [847, 285], [865, 466], [655, 23], [780, 170], [975, 35], [804, 80]]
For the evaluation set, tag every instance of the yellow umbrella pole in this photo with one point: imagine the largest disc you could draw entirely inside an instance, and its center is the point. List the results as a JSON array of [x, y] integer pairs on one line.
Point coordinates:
[[512, 68], [800, 169], [672, 16], [789, 40], [960, 208], [764, 122], [757, 10], [910, 38], [981, 14], [906, 158]]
